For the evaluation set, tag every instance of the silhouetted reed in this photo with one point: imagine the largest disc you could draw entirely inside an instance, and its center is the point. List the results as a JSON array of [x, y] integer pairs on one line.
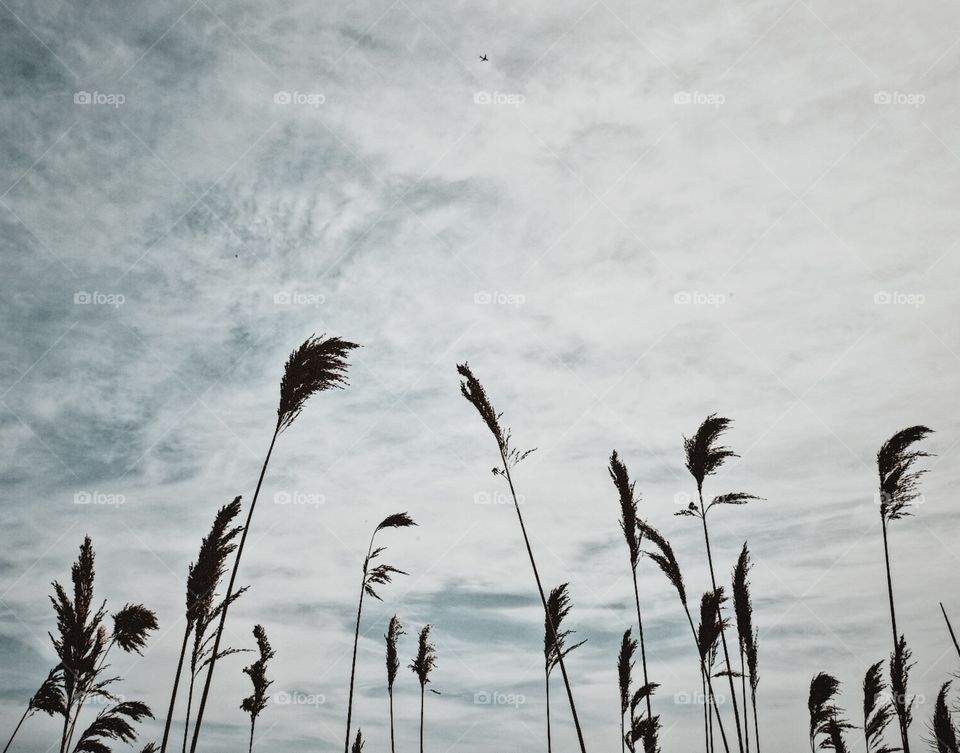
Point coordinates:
[[943, 729], [748, 639], [628, 647], [48, 699], [826, 718], [628, 524], [357, 746], [898, 490], [394, 631], [644, 729], [953, 636], [422, 666], [257, 672], [372, 576], [704, 457], [319, 364], [666, 560], [203, 579], [474, 393], [554, 640], [877, 712]]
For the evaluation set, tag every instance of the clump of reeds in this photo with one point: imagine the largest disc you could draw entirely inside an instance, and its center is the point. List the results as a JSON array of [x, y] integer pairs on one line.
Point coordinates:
[[899, 482], [257, 672], [666, 560], [394, 631], [377, 575], [628, 647], [644, 729], [877, 712], [629, 500], [704, 457], [748, 640], [422, 666], [943, 729], [473, 391], [555, 640], [318, 365], [82, 645], [203, 580]]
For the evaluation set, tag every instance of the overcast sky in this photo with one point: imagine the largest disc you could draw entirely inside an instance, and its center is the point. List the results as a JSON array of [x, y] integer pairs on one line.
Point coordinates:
[[631, 216]]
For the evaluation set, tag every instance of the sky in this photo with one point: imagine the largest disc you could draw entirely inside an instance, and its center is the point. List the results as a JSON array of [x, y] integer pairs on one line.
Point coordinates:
[[631, 216]]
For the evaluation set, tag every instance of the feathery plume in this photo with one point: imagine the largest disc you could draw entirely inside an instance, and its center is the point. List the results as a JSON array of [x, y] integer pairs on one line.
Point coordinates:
[[877, 713], [113, 723], [704, 457], [317, 365], [357, 743], [257, 672], [554, 641], [131, 626], [422, 666], [821, 705], [394, 631], [664, 557], [898, 479], [944, 730]]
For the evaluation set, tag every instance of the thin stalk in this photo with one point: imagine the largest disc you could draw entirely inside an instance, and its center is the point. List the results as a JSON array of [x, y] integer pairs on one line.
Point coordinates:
[[176, 685], [186, 720], [549, 743], [393, 748], [543, 601], [723, 636], [953, 637], [706, 717], [356, 639], [229, 594], [893, 625], [643, 650], [743, 686], [756, 724], [250, 749], [623, 736], [706, 674], [17, 729], [421, 717]]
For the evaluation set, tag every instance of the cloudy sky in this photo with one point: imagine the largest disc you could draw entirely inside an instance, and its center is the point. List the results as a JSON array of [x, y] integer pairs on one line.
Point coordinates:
[[632, 216]]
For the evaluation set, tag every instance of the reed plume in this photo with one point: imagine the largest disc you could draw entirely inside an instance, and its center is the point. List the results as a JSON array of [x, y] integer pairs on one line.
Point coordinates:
[[628, 647], [555, 639], [476, 395], [378, 575], [643, 729], [394, 631], [943, 728], [357, 746], [257, 672], [113, 723], [422, 666], [825, 715], [748, 639], [48, 699], [877, 712], [704, 457], [83, 644], [318, 365], [629, 500], [900, 667], [664, 557], [203, 578], [898, 490]]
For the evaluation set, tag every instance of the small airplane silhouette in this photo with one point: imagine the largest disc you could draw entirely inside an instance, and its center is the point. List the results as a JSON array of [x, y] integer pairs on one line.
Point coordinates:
[[483, 59]]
